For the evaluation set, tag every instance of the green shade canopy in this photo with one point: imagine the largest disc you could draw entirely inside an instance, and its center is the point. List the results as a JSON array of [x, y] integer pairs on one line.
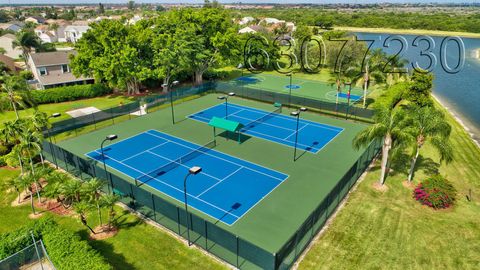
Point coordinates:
[[225, 124]]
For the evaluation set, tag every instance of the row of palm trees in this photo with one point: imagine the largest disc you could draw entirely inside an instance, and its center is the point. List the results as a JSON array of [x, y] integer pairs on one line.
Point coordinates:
[[407, 127]]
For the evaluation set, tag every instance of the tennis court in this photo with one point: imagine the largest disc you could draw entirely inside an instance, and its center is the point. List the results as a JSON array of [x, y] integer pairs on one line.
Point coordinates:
[[300, 87], [226, 189], [273, 126]]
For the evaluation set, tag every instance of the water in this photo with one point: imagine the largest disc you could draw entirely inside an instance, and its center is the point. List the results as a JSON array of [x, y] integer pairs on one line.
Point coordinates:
[[459, 92]]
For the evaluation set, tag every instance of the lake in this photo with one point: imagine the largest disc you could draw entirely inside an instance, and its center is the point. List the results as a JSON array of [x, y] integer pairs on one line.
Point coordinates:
[[459, 92]]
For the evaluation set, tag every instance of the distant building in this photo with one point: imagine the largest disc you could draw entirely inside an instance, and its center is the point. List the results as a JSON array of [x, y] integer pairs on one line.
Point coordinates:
[[8, 62], [74, 32], [271, 21], [246, 20], [6, 43], [134, 19], [35, 19], [15, 27], [247, 29], [52, 69]]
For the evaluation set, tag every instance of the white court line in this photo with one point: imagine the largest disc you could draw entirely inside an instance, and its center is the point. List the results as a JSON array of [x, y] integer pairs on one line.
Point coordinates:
[[144, 151], [263, 123], [324, 126], [295, 132], [271, 176], [225, 178], [183, 165], [265, 135], [155, 179]]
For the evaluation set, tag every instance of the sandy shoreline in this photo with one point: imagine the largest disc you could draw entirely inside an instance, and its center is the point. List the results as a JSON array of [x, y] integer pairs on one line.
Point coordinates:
[[458, 118], [409, 31]]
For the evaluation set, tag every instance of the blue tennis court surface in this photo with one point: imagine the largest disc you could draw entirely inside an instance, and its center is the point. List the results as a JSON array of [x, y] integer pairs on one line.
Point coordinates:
[[275, 127], [226, 189]]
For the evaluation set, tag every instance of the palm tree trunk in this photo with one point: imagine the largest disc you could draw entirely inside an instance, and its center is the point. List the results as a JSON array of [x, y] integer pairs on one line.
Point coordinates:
[[21, 164], [31, 203], [99, 214], [365, 86], [12, 100], [412, 165], [36, 184], [385, 151], [84, 222]]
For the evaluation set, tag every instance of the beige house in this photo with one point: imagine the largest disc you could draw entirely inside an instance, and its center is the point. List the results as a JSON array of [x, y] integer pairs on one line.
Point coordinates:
[[6, 43], [52, 69]]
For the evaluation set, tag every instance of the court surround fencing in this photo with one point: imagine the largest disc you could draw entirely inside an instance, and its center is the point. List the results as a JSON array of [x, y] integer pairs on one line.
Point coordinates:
[[33, 256], [205, 234]]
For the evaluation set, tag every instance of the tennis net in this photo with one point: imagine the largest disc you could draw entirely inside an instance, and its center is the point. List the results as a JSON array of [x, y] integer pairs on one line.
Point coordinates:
[[174, 164], [262, 119]]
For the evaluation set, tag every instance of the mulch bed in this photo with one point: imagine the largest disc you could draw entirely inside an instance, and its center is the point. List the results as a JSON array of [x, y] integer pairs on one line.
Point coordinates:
[[103, 232]]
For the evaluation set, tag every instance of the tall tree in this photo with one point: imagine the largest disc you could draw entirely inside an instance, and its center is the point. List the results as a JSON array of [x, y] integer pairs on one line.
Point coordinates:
[[429, 124], [26, 40], [18, 92], [390, 127], [93, 189], [420, 89], [109, 201]]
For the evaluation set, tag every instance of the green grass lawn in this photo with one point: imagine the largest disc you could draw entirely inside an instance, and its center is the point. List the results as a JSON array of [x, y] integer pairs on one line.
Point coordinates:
[[136, 246], [392, 231], [63, 107]]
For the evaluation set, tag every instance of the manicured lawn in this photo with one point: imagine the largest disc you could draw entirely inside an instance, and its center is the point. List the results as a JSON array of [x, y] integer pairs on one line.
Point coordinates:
[[63, 107], [137, 245], [391, 231]]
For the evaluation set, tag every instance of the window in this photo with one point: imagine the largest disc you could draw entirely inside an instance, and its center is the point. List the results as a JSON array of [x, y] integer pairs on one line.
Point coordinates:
[[65, 69], [42, 71]]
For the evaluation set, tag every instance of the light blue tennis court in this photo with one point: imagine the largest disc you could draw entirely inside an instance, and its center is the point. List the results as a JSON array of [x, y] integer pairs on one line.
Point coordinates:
[[273, 126], [226, 189]]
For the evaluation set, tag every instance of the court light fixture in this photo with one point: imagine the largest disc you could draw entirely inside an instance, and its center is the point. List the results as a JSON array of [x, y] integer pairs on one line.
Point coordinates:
[[55, 115], [221, 97], [295, 113], [111, 137], [231, 94], [192, 171]]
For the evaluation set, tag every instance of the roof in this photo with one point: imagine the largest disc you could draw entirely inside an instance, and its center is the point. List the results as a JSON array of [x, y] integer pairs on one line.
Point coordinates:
[[8, 61], [51, 58], [61, 78], [9, 36], [225, 124], [77, 28]]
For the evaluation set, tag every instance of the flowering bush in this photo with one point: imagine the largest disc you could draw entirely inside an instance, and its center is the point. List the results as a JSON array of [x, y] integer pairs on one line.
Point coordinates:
[[436, 192]]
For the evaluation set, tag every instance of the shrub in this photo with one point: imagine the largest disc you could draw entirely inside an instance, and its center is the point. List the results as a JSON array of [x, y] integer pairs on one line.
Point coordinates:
[[2, 161], [69, 93], [11, 159], [3, 149], [436, 192]]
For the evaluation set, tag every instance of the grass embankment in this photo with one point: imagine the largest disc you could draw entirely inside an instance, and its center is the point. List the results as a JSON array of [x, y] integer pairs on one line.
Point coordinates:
[[63, 107], [136, 246], [409, 31], [392, 231]]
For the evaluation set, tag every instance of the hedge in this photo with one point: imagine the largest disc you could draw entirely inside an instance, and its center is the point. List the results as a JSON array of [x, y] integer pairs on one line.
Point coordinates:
[[66, 249], [69, 93]]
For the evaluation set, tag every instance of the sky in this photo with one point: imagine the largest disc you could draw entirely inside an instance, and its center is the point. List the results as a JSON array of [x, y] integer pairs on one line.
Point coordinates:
[[229, 1]]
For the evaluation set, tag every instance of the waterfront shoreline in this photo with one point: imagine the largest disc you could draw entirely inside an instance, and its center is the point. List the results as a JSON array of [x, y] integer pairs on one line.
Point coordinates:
[[463, 122], [408, 31]]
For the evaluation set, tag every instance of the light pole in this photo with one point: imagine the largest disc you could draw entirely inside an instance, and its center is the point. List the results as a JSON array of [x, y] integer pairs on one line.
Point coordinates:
[[297, 115], [54, 115], [241, 67], [231, 94], [192, 171], [349, 84], [108, 138], [168, 86], [290, 90]]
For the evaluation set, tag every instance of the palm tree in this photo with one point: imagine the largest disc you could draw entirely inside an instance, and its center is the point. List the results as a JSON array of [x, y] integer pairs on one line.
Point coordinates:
[[429, 124], [71, 192], [25, 183], [30, 145], [18, 93], [26, 40], [390, 127], [93, 189], [397, 64], [109, 201], [82, 209]]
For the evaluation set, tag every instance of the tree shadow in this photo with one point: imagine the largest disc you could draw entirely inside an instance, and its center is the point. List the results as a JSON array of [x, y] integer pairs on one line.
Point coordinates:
[[428, 165], [118, 261], [368, 102]]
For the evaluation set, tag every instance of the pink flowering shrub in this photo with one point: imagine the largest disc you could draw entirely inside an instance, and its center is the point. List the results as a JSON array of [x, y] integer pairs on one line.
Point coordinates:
[[436, 192]]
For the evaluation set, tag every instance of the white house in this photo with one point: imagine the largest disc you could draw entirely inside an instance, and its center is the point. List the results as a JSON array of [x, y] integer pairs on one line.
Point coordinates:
[[74, 32], [247, 30], [45, 34], [15, 27], [6, 43], [134, 19], [246, 20], [271, 21]]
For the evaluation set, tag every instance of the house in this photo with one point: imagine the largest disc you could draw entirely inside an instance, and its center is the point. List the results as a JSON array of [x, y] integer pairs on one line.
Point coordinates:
[[6, 43], [52, 69], [35, 19], [46, 34], [74, 32], [8, 62], [246, 20], [134, 20], [247, 29], [268, 21], [15, 27]]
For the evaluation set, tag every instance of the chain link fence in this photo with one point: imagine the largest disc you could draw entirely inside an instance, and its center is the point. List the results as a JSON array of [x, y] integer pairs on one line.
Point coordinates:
[[33, 257]]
